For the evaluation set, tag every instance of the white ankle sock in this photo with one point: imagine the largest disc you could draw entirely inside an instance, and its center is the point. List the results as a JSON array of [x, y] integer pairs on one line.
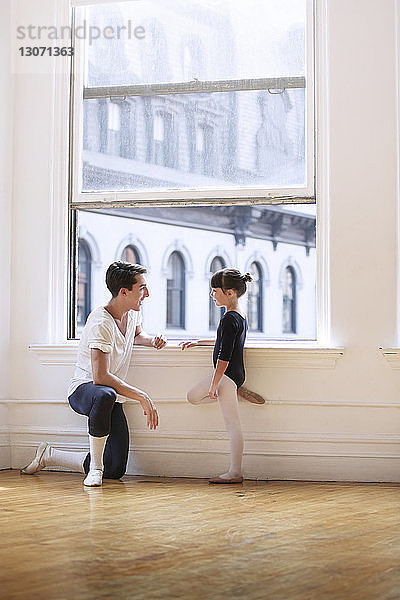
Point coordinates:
[[96, 446], [73, 461]]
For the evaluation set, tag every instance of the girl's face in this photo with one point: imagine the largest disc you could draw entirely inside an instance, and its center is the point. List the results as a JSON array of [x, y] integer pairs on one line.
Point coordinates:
[[220, 297]]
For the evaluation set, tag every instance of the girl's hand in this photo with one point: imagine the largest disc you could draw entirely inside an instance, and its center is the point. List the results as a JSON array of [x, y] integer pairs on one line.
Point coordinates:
[[185, 345]]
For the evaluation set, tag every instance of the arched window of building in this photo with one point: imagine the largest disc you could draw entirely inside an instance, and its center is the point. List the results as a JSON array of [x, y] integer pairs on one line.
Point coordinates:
[[176, 291], [289, 301], [255, 298], [84, 282], [165, 140], [132, 255], [205, 149], [215, 313]]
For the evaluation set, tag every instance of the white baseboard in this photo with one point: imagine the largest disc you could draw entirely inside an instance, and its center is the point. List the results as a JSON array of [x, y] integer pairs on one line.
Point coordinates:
[[5, 447], [187, 446], [5, 457], [268, 467], [268, 455]]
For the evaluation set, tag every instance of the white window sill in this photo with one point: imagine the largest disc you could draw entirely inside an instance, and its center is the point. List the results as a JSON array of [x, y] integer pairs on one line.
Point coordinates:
[[392, 356], [307, 355]]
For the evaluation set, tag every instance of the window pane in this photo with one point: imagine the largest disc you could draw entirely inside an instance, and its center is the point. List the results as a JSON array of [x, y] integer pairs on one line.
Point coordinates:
[[131, 255], [207, 40], [181, 245], [176, 291], [83, 283], [254, 296], [215, 313], [188, 141]]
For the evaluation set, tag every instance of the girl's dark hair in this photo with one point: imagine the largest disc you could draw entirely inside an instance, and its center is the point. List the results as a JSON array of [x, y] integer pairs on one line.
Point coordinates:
[[122, 275], [231, 279]]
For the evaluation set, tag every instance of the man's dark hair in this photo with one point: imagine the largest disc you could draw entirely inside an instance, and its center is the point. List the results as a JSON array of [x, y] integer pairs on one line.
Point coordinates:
[[122, 275], [231, 279]]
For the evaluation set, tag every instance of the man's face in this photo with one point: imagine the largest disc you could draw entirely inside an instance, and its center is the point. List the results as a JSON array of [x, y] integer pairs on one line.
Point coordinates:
[[137, 294]]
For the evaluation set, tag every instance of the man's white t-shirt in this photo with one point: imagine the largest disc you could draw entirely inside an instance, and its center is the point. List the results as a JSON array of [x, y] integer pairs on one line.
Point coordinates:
[[101, 332]]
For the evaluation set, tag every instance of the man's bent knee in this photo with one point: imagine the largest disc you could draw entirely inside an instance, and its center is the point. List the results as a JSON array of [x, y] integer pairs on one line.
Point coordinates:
[[107, 395]]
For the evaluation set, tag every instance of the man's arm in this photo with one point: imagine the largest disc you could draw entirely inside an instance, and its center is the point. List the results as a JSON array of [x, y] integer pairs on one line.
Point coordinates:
[[144, 339], [102, 376]]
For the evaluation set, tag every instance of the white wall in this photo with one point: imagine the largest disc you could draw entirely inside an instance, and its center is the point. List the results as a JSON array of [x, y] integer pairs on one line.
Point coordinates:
[[6, 166], [322, 423]]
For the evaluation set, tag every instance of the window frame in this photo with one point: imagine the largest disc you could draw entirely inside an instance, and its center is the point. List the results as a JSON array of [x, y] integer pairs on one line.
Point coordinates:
[[79, 200], [206, 196]]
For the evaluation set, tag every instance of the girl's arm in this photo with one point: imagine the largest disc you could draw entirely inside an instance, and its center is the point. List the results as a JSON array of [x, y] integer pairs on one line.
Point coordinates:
[[192, 344], [219, 371]]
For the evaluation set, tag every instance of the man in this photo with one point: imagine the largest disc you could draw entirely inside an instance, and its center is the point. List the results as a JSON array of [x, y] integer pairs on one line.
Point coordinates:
[[98, 387]]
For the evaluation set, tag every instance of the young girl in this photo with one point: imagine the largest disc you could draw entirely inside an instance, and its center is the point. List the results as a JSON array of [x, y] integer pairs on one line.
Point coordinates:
[[228, 285]]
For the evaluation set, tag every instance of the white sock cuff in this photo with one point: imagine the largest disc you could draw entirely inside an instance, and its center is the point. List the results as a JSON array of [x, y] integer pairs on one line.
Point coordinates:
[[96, 446]]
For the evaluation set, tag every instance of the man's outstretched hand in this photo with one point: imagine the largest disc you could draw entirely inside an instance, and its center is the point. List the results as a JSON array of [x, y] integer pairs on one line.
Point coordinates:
[[150, 411], [158, 341]]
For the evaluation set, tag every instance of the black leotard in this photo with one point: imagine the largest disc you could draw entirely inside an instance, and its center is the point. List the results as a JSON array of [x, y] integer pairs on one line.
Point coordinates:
[[231, 335]]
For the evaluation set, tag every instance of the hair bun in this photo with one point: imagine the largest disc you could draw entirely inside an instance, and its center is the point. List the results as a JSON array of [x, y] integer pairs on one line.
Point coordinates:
[[247, 277]]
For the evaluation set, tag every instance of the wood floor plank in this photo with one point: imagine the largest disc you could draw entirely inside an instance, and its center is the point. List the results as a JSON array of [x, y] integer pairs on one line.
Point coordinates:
[[153, 538]]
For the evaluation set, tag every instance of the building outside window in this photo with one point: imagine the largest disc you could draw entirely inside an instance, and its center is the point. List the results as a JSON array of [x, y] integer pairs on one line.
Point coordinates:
[[164, 140], [84, 283], [215, 313], [205, 149], [131, 254], [289, 301], [176, 291], [114, 129], [255, 298]]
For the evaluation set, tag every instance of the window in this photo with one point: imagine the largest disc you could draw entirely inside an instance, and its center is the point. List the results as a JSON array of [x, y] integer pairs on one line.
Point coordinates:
[[215, 313], [255, 298], [185, 244], [131, 255], [176, 291], [258, 97], [193, 133], [128, 130], [114, 128], [164, 140], [289, 301], [205, 150], [84, 282]]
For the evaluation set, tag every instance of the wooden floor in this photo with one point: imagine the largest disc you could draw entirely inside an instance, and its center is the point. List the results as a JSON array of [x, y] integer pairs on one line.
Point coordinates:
[[151, 538]]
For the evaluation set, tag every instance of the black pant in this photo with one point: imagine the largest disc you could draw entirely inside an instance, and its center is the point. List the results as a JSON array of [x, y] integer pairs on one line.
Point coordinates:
[[106, 417]]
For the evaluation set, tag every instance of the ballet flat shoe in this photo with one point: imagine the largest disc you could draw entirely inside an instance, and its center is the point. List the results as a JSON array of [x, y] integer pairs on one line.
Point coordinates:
[[224, 480], [250, 396], [36, 464]]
